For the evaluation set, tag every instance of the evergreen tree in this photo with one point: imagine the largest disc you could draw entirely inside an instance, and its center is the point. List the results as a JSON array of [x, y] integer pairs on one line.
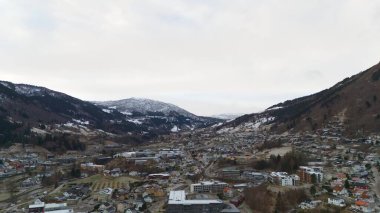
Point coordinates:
[[313, 178], [346, 184], [313, 190], [280, 203]]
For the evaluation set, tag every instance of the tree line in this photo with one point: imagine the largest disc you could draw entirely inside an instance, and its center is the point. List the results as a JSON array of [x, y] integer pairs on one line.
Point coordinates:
[[290, 162]]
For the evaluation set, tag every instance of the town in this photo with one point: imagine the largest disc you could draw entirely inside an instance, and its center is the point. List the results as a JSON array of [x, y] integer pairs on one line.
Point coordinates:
[[182, 106], [241, 169]]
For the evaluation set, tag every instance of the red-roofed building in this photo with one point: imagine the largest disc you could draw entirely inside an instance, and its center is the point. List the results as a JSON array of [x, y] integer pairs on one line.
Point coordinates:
[[339, 190], [361, 203]]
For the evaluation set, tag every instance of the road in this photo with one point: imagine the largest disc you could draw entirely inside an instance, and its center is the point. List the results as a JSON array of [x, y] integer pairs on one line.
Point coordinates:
[[37, 190], [208, 173]]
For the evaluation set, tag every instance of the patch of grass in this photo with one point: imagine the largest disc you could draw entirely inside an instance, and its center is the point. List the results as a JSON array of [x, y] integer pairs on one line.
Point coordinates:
[[4, 196], [90, 179], [100, 182]]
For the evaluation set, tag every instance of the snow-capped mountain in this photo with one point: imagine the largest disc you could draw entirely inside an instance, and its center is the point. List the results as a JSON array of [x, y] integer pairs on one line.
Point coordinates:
[[227, 116], [30, 90], [25, 109], [144, 106], [28, 106], [164, 116]]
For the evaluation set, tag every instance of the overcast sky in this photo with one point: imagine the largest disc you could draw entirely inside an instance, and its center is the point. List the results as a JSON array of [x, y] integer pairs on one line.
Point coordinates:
[[207, 56]]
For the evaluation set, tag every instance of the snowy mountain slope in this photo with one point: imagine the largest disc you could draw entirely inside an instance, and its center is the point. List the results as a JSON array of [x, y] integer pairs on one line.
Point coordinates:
[[30, 90], [153, 113], [351, 103], [227, 117], [25, 107], [30, 106], [144, 106]]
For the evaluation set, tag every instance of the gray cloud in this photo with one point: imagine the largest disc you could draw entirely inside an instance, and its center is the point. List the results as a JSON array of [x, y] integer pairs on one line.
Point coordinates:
[[206, 56]]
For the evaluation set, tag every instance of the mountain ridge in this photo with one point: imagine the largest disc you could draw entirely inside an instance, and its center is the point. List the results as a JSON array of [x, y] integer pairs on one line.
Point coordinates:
[[24, 107], [151, 111], [352, 102], [143, 105]]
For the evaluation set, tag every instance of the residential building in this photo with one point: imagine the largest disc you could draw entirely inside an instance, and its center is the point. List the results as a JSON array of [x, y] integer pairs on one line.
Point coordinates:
[[283, 179], [336, 202], [231, 173], [208, 186], [340, 191], [310, 174], [159, 176], [170, 153], [41, 207], [254, 176], [91, 167], [362, 206]]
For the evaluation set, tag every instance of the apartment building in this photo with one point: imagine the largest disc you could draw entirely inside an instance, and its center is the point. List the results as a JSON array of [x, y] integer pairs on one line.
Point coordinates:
[[208, 186]]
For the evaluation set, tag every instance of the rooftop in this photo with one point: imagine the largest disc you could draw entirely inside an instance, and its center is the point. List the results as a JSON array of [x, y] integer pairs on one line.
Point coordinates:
[[179, 198], [209, 183], [55, 205]]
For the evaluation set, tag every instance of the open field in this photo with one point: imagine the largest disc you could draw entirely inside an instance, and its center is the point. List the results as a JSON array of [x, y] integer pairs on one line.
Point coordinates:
[[279, 151], [99, 182], [10, 181], [274, 151], [4, 195]]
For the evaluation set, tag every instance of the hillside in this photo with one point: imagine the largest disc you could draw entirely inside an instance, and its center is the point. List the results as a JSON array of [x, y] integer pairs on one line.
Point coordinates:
[[26, 103], [144, 106], [353, 103], [157, 114], [27, 109], [23, 107]]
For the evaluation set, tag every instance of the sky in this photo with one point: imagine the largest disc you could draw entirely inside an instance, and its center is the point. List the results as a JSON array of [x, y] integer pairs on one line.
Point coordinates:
[[206, 56]]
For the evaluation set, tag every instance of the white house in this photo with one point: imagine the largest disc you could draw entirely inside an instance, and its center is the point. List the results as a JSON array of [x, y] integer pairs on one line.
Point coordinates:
[[336, 202], [283, 179], [339, 190]]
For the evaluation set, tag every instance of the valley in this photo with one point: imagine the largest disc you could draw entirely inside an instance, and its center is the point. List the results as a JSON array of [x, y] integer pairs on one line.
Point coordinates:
[[319, 153]]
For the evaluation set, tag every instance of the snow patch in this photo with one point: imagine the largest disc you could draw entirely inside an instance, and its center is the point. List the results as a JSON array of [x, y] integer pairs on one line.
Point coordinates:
[[81, 122], [68, 124], [6, 85], [250, 126], [259, 122], [38, 131], [28, 90], [275, 108], [126, 113], [107, 110], [135, 121], [227, 116], [216, 125], [175, 129]]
